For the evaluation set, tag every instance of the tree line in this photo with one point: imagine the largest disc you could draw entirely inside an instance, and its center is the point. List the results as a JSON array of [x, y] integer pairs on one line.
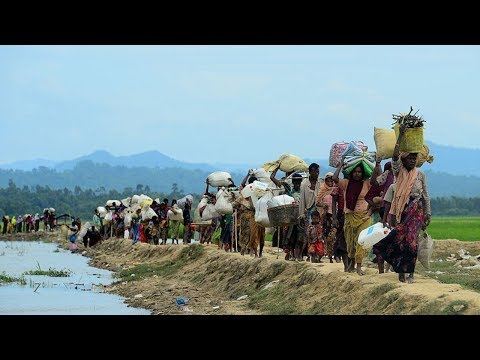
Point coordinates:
[[81, 202]]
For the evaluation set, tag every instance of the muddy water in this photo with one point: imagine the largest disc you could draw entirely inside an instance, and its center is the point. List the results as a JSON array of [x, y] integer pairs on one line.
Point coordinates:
[[81, 293]]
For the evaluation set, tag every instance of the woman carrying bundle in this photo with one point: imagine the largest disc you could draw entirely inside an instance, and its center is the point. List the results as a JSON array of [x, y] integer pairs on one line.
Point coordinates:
[[411, 209], [356, 219]]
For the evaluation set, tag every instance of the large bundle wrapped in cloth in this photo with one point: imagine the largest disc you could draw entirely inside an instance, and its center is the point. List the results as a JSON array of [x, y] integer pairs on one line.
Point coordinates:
[[385, 140], [175, 213], [206, 209], [412, 140], [83, 230], [145, 200], [263, 176], [281, 200], [209, 212], [110, 203], [147, 212], [354, 155], [134, 208], [127, 220], [339, 148], [102, 211], [187, 198], [135, 199], [423, 156], [219, 178], [126, 202], [288, 163], [223, 205]]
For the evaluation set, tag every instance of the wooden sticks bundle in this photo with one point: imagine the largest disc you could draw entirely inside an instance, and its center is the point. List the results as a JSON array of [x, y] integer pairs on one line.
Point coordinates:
[[411, 121]]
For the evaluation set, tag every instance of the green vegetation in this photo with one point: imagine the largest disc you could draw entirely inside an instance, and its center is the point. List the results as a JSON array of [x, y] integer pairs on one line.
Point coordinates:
[[460, 228], [50, 272], [382, 289], [275, 301], [4, 278], [165, 268], [455, 206], [79, 202]]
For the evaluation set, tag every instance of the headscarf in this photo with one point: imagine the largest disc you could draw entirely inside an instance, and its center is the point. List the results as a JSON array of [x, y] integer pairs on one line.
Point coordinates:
[[403, 188]]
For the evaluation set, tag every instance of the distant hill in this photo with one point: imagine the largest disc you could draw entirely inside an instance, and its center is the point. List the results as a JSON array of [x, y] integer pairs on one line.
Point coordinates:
[[28, 165], [149, 159], [454, 160], [448, 159]]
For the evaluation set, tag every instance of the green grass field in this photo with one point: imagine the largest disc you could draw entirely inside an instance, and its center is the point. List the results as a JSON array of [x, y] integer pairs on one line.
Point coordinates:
[[460, 228]]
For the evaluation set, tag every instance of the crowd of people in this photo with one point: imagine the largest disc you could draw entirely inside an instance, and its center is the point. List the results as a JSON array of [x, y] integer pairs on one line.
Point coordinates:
[[332, 214], [28, 223], [334, 211]]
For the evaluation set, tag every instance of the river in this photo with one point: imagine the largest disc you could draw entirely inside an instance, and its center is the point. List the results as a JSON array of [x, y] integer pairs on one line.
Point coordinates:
[[80, 293]]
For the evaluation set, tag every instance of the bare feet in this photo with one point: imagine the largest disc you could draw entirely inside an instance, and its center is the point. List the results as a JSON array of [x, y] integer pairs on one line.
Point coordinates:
[[359, 271], [401, 277], [410, 279]]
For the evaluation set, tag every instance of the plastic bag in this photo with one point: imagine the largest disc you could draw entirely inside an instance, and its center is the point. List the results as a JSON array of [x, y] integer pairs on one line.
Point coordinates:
[[261, 213], [425, 249], [209, 212], [223, 205]]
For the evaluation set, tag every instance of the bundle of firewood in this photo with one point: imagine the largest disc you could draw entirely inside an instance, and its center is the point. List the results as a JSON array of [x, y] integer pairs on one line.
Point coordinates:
[[411, 121]]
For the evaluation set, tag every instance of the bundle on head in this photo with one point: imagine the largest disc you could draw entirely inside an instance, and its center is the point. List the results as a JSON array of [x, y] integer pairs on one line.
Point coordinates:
[[411, 121]]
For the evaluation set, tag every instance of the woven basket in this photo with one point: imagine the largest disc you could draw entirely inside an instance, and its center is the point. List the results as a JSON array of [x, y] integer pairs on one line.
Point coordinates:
[[283, 215]]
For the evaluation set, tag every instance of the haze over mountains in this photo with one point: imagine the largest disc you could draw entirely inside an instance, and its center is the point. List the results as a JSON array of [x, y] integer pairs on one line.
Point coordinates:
[[455, 171]]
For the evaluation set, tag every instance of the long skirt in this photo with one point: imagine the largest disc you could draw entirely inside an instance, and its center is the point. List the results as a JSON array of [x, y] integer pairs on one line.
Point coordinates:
[[340, 245], [399, 247], [354, 224], [257, 234], [245, 220], [329, 234], [175, 226]]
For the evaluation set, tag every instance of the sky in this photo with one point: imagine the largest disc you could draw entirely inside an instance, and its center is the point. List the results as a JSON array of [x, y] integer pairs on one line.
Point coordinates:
[[233, 104]]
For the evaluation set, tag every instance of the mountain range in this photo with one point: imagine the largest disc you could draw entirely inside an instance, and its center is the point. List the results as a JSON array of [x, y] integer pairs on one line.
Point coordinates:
[[448, 159], [451, 168]]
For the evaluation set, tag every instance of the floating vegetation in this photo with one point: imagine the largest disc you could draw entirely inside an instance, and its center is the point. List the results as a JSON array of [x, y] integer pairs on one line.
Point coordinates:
[[4, 278], [50, 272]]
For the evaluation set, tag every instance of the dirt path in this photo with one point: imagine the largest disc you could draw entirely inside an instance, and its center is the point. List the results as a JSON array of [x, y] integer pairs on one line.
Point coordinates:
[[153, 277]]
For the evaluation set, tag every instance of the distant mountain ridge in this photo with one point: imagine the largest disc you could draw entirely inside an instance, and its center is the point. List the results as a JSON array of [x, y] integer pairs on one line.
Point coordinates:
[[94, 176], [447, 159]]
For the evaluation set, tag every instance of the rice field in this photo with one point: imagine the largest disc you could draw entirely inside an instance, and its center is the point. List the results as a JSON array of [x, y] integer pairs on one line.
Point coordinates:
[[460, 228]]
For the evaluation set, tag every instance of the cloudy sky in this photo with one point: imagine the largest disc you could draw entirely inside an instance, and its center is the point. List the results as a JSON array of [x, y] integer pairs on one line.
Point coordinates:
[[233, 104]]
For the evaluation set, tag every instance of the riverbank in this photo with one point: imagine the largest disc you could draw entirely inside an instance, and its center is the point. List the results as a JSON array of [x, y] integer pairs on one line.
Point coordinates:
[[153, 277]]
